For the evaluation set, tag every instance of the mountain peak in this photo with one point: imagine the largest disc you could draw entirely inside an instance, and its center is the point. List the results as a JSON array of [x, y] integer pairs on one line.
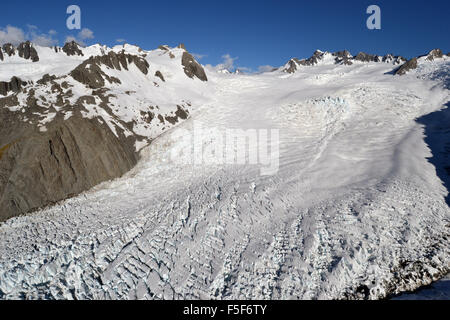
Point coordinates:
[[25, 50], [346, 58], [72, 49], [435, 54]]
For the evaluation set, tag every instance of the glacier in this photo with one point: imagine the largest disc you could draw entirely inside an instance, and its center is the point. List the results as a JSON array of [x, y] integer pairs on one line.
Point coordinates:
[[357, 210]]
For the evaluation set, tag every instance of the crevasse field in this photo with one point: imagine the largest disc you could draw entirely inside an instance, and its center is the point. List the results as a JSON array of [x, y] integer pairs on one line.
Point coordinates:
[[357, 208]]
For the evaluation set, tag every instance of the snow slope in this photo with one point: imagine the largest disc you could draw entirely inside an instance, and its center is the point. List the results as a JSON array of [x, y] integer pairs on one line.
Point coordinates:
[[355, 210]]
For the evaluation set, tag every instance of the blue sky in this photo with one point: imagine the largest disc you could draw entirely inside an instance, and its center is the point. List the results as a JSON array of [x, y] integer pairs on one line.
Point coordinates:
[[257, 33]]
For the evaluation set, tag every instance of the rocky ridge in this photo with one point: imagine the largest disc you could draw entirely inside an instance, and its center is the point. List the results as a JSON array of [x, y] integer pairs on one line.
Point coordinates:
[[339, 58], [25, 50]]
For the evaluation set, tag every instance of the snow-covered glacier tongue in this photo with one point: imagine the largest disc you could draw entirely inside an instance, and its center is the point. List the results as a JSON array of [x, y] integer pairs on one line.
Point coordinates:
[[356, 210]]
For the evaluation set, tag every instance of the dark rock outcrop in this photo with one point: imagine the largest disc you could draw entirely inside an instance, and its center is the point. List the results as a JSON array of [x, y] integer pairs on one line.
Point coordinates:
[[27, 51], [343, 57], [8, 48], [410, 65], [435, 54], [179, 114], [160, 75], [91, 74], [41, 168], [365, 57], [192, 68], [15, 85], [313, 60], [1, 55], [72, 49], [46, 78], [389, 58], [292, 65]]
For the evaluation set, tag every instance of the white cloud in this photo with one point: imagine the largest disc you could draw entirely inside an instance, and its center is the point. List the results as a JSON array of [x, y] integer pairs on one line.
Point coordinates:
[[199, 56], [121, 40], [227, 64], [83, 35], [12, 35], [16, 36], [44, 40], [266, 68], [70, 39], [41, 39], [32, 27], [86, 33]]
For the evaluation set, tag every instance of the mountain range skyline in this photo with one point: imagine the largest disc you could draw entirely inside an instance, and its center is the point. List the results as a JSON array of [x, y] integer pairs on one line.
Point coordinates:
[[249, 36]]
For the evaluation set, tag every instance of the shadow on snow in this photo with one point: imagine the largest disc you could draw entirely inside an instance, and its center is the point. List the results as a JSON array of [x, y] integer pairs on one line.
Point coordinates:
[[437, 132]]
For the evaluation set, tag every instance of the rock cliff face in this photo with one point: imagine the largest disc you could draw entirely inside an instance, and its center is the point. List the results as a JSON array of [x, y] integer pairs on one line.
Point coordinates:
[[193, 68], [291, 66], [27, 51], [343, 57], [41, 168], [15, 85]]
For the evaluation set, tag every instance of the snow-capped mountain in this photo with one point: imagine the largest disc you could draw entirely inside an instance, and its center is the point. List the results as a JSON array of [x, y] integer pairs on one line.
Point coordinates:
[[356, 210], [346, 58], [340, 58], [86, 112]]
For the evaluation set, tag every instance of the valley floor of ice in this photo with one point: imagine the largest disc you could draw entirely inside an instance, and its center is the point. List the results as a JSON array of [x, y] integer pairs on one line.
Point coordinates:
[[356, 209]]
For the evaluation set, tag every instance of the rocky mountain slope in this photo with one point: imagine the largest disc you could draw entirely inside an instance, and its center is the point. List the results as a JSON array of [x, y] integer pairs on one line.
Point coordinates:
[[73, 117]]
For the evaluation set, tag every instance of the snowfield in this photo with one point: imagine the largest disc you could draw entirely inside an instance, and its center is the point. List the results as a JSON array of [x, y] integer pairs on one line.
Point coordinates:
[[356, 209]]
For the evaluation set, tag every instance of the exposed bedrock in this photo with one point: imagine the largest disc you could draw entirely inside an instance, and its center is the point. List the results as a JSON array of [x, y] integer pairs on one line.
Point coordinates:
[[91, 74], [41, 168], [27, 51], [8, 48], [408, 66], [436, 53], [72, 49], [192, 68], [15, 85]]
